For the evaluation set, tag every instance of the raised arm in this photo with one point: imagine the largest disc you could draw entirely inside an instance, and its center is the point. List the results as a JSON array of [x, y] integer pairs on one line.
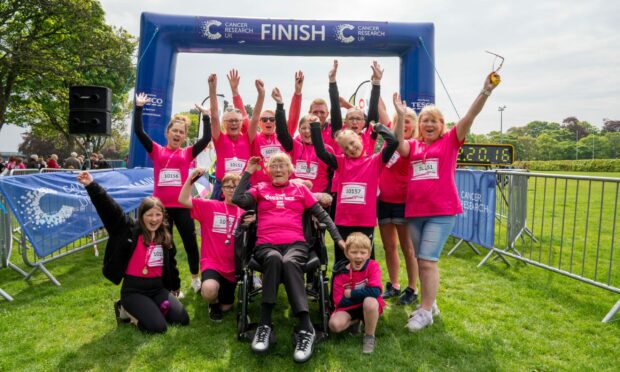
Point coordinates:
[[391, 143], [294, 111], [334, 100], [375, 93], [319, 146], [399, 127], [185, 196], [110, 213], [138, 128], [284, 137], [463, 125], [258, 108], [384, 118], [233, 80], [202, 143], [215, 111]]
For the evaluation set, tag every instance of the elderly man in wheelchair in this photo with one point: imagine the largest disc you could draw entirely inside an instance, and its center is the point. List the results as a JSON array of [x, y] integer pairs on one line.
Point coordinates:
[[281, 249]]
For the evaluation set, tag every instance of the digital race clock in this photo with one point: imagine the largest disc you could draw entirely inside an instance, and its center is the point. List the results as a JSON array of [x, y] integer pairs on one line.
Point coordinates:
[[486, 154]]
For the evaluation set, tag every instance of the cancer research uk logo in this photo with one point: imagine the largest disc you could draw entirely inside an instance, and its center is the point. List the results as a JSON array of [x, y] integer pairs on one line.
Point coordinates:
[[30, 204], [340, 33], [206, 29]]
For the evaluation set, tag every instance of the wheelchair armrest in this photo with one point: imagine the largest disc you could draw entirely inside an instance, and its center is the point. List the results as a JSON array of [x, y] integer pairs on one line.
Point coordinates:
[[322, 226], [313, 262], [254, 265]]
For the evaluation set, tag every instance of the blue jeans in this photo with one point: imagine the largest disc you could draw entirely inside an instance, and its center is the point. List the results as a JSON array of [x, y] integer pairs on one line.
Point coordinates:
[[429, 235]]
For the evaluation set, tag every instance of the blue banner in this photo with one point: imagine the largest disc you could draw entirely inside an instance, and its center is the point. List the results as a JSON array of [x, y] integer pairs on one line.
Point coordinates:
[[53, 209], [477, 193]]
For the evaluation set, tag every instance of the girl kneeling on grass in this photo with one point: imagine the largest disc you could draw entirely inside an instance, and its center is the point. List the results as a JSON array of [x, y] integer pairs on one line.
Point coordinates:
[[218, 220], [357, 291], [140, 254]]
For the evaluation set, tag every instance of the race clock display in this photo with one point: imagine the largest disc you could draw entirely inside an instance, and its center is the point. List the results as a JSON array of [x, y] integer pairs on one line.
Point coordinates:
[[485, 154]]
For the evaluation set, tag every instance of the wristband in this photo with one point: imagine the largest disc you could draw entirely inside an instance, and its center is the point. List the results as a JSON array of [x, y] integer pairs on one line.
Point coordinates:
[[375, 82], [485, 92]]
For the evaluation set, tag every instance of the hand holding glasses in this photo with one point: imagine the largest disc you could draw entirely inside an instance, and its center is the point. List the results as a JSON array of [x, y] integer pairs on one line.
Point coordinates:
[[495, 79]]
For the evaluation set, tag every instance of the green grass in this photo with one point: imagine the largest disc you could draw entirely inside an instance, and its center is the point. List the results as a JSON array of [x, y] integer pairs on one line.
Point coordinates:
[[494, 318]]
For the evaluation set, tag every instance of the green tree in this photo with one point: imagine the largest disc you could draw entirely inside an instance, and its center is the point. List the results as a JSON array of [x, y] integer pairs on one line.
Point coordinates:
[[47, 46]]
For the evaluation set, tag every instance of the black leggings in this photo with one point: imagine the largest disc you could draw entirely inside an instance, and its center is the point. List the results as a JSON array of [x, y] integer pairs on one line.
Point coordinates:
[[142, 297], [345, 231], [182, 218]]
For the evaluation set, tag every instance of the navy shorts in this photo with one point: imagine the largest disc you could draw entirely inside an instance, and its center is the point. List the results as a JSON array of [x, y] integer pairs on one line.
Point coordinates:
[[390, 213], [226, 294]]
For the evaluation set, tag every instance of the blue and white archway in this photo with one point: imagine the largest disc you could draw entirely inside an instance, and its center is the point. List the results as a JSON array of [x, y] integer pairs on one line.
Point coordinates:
[[163, 36]]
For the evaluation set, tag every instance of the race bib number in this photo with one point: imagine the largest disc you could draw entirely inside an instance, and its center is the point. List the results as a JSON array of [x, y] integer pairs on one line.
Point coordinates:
[[427, 170], [234, 165], [361, 285], [306, 170], [170, 177], [393, 160], [220, 225], [267, 151], [157, 257], [353, 193]]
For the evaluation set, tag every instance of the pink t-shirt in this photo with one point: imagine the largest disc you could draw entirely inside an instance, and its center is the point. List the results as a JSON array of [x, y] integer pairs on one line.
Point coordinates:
[[432, 189], [309, 167], [369, 149], [146, 262], [280, 211], [264, 146], [171, 169], [358, 182], [368, 276], [232, 155], [217, 224], [393, 181]]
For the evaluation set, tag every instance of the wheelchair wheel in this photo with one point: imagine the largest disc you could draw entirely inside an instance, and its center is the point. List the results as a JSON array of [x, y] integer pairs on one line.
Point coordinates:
[[243, 319], [324, 301]]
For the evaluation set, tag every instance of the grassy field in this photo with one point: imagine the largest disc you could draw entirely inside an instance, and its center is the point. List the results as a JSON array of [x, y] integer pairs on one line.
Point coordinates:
[[493, 318]]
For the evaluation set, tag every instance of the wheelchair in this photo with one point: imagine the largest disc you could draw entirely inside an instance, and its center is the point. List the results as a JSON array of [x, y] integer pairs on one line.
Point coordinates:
[[317, 282]]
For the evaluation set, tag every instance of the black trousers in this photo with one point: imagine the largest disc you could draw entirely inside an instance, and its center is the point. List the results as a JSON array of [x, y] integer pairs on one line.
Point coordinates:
[[142, 298], [182, 218], [345, 231], [284, 263]]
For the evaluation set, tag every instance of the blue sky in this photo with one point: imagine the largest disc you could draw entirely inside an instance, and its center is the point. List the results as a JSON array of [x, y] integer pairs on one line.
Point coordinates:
[[561, 56]]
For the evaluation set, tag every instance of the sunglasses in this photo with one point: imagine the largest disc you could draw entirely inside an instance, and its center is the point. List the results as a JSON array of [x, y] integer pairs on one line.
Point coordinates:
[[265, 119]]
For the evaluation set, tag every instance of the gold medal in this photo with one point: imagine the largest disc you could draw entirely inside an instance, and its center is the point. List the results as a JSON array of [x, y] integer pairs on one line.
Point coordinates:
[[145, 271]]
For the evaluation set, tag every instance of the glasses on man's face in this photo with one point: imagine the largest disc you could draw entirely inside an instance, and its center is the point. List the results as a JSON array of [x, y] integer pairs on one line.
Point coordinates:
[[355, 119], [232, 109], [265, 119], [498, 60], [233, 121], [228, 187]]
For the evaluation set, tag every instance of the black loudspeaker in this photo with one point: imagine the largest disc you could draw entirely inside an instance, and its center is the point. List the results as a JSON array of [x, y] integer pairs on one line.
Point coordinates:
[[90, 122], [90, 110]]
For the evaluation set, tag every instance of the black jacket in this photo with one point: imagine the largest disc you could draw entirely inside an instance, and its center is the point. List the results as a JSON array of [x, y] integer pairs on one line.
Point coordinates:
[[123, 234]]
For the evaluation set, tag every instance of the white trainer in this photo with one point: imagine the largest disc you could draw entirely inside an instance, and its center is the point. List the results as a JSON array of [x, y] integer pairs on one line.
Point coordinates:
[[420, 320], [196, 284], [434, 310]]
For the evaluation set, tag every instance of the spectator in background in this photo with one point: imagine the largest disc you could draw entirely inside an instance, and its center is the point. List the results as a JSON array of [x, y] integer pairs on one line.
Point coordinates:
[[72, 162], [52, 162], [92, 162], [2, 165], [19, 163], [101, 162]]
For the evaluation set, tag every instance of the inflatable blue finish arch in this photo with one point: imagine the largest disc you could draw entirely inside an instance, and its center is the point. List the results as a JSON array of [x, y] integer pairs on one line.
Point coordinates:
[[163, 36]]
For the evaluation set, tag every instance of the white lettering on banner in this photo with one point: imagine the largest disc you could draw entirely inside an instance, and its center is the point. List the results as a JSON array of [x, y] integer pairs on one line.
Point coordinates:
[[170, 177], [305, 170], [219, 223], [393, 160], [425, 170], [234, 165], [267, 151], [472, 201], [156, 259], [353, 193], [292, 32]]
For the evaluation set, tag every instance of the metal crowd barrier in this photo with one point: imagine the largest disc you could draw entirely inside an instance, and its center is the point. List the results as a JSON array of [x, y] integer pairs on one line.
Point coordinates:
[[6, 243], [562, 223]]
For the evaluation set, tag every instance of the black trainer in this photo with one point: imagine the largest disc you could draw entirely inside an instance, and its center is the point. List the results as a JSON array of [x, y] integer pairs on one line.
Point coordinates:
[[215, 313], [262, 339], [304, 346], [408, 297], [390, 291]]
